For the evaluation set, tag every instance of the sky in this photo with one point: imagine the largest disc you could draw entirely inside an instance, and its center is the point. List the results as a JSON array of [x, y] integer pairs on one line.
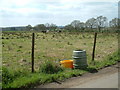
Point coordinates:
[[59, 12]]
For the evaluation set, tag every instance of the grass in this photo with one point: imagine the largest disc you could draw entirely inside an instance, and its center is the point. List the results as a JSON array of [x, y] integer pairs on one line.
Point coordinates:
[[41, 78], [108, 61], [49, 67], [52, 48], [33, 79], [49, 49]]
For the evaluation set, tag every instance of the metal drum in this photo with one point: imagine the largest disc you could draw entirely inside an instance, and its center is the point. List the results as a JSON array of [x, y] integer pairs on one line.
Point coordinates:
[[80, 59]]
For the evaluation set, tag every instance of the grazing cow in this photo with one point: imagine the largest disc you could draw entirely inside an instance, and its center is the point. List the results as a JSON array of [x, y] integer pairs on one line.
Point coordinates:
[[59, 31], [43, 31]]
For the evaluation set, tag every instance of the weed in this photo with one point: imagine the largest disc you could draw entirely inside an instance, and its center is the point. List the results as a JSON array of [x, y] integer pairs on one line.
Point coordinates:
[[8, 75], [18, 50], [69, 43], [20, 46], [50, 67]]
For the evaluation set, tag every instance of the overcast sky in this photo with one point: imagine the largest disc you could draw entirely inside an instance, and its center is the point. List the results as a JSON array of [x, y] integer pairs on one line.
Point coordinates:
[[59, 12]]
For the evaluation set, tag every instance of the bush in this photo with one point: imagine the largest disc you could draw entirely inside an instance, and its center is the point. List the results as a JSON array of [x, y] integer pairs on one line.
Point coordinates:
[[50, 67], [9, 75]]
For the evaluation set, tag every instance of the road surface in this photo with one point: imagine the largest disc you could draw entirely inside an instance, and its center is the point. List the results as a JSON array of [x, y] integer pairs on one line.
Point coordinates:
[[107, 81], [105, 78]]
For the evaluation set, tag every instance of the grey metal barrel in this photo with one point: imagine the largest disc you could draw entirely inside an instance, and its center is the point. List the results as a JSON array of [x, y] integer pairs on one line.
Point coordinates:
[[79, 59]]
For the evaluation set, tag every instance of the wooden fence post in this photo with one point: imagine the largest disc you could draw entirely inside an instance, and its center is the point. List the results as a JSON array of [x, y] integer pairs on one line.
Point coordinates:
[[93, 54], [32, 55]]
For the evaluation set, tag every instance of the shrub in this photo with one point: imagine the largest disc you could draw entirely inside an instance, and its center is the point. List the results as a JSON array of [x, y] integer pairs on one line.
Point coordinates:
[[7, 76], [20, 46], [50, 67]]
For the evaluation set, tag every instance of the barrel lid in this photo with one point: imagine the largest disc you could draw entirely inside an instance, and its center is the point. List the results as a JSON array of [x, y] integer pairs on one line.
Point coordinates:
[[79, 57], [79, 51], [76, 57]]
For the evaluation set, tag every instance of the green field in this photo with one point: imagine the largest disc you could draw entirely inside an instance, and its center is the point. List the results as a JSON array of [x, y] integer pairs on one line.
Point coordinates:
[[16, 48]]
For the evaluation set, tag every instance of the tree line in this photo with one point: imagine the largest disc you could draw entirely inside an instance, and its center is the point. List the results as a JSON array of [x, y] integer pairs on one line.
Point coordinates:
[[98, 24]]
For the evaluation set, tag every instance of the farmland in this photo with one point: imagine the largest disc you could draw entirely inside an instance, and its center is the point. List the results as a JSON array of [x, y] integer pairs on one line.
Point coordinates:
[[52, 46], [16, 47]]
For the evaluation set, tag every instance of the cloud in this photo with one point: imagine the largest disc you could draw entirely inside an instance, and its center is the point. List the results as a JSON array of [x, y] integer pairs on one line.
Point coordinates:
[[60, 12]]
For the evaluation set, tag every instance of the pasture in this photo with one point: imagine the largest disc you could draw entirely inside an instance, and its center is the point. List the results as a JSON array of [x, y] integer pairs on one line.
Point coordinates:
[[16, 47]]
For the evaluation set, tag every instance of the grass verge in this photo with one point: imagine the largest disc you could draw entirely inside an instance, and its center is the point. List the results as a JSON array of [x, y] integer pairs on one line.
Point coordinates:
[[25, 80]]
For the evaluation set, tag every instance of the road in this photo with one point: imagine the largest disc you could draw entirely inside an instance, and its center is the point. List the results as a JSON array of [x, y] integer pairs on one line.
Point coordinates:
[[109, 81], [105, 78]]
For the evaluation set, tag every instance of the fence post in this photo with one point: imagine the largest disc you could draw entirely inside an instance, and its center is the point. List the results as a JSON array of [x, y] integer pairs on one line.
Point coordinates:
[[32, 55], [93, 54]]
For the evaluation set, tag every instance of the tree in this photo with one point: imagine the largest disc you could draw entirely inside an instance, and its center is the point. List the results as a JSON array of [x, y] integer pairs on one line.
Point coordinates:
[[53, 26], [82, 25], [69, 27], [101, 22], [113, 22], [28, 27], [90, 23], [47, 26], [76, 24], [40, 27]]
